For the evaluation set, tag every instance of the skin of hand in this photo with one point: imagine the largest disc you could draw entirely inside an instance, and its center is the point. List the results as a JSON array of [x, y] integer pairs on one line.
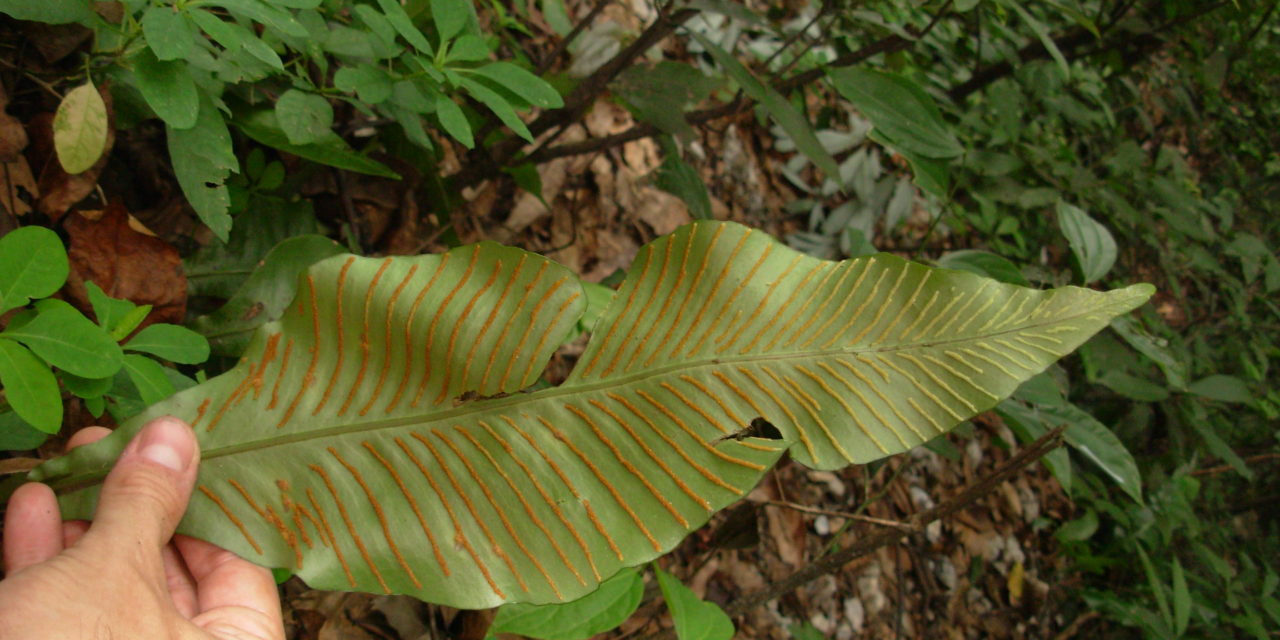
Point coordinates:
[[127, 575]]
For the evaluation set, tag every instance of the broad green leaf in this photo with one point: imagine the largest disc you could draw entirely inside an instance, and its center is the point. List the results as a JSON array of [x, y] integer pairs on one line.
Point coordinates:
[[168, 88], [171, 342], [983, 263], [384, 402], [64, 338], [30, 387], [148, 377], [1097, 443], [118, 317], [202, 159], [17, 435], [599, 611], [371, 83], [1027, 424], [33, 264], [264, 295], [332, 150], [234, 37], [468, 48], [1131, 386], [304, 117], [168, 33], [1091, 243], [403, 25], [902, 111], [520, 82], [1156, 348], [269, 16], [49, 11], [1223, 388], [694, 618], [80, 129], [1080, 529], [787, 116], [450, 16], [453, 120]]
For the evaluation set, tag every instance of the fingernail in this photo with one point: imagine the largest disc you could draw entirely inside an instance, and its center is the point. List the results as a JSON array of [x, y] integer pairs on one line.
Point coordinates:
[[168, 443]]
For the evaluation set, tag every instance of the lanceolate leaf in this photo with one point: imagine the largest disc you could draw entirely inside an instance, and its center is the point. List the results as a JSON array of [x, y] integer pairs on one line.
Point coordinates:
[[365, 442]]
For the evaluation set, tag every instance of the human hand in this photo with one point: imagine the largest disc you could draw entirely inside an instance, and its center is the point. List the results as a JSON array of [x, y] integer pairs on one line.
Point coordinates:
[[127, 575]]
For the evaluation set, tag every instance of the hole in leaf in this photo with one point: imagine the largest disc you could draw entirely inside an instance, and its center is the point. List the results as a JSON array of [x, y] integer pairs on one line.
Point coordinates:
[[759, 428]]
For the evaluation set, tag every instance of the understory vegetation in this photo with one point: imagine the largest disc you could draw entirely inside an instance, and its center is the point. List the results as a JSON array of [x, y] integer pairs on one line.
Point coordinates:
[[173, 170]]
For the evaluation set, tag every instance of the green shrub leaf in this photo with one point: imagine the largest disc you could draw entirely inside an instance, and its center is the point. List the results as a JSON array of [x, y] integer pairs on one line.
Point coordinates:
[[1097, 443], [168, 88], [332, 150], [499, 106], [33, 264], [1223, 388], [902, 111], [983, 263], [520, 82], [202, 159], [371, 83], [49, 11], [388, 391], [171, 342], [1091, 243], [168, 33], [599, 611], [453, 120], [149, 377], [450, 16], [304, 117], [17, 435], [64, 338], [694, 618], [400, 21], [30, 387], [80, 129]]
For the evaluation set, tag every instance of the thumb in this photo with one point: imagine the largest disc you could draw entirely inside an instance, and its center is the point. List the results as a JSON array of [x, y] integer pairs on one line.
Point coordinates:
[[145, 495]]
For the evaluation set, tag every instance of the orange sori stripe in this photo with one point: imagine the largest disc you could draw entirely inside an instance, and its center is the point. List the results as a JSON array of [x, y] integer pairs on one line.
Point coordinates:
[[413, 504], [241, 388], [528, 327], [408, 334], [591, 513], [247, 498], [386, 356], [674, 445], [847, 269], [604, 481], [755, 313], [528, 509], [608, 337], [284, 364], [458, 323], [377, 510], [364, 337], [813, 295], [328, 532], [269, 355], [851, 296], [546, 497], [734, 388], [351, 529], [506, 326], [232, 517], [310, 375], [652, 456], [338, 329], [542, 342], [502, 516], [710, 297], [471, 508], [810, 405], [841, 401], [693, 405], [733, 417], [688, 295], [648, 304], [302, 527], [782, 310], [804, 437], [488, 321], [204, 406], [684, 427], [728, 303], [435, 318], [458, 537], [306, 513], [666, 303], [286, 533]]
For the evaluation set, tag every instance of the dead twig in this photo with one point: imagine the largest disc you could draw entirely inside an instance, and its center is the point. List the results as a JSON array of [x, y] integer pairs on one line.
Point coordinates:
[[840, 514]]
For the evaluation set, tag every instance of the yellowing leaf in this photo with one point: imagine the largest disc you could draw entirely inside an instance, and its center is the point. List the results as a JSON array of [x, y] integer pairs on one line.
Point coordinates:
[[80, 129]]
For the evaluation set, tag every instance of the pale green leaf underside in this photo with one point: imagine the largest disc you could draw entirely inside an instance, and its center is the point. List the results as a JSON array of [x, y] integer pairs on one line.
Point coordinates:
[[359, 466]]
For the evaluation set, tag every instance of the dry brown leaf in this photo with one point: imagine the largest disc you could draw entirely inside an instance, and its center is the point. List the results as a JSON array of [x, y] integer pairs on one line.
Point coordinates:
[[126, 264], [18, 188]]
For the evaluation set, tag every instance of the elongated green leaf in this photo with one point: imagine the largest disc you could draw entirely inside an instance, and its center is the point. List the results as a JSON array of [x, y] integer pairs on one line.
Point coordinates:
[[788, 117], [30, 387], [33, 264], [374, 437], [597, 612], [148, 377], [500, 107], [171, 342], [1097, 443], [694, 618], [902, 111], [450, 16], [64, 338], [1091, 243], [168, 88], [80, 128], [520, 82], [50, 11], [453, 120], [304, 117], [168, 33], [403, 25], [261, 125], [202, 160]]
